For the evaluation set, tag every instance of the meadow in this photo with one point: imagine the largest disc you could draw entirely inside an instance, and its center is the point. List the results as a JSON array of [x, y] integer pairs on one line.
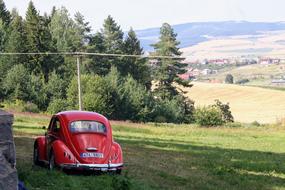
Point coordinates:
[[258, 74], [248, 104], [168, 156]]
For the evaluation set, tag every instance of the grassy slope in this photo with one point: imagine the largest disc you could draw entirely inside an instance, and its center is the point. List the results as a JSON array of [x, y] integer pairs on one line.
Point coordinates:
[[170, 157], [259, 75], [247, 104]]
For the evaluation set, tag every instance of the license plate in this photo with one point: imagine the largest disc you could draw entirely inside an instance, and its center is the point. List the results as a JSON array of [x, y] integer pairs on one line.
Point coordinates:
[[91, 155]]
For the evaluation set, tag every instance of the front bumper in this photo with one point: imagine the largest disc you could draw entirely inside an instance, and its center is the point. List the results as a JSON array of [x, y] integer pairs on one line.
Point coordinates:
[[98, 167]]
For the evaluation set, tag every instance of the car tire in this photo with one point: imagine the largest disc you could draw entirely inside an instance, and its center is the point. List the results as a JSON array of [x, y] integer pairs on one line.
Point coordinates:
[[119, 171], [51, 163], [36, 155]]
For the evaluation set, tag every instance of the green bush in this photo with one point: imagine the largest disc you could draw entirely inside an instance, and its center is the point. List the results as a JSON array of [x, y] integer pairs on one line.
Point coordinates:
[[57, 105], [208, 116], [242, 81], [95, 94], [17, 83], [134, 100], [229, 79], [176, 110], [30, 107], [21, 106], [225, 110], [256, 124]]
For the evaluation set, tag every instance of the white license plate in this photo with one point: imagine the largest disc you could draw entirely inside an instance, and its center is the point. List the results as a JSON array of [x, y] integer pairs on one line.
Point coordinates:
[[91, 155]]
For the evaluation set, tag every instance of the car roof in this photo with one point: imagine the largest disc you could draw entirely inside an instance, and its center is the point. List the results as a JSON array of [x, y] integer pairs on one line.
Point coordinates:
[[82, 115]]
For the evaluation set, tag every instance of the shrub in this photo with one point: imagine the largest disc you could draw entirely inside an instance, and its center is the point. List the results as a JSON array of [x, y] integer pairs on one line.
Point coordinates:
[[208, 116], [229, 79], [38, 92], [255, 123], [134, 100], [21, 106], [242, 81], [30, 107], [17, 83], [57, 105], [95, 94], [225, 111]]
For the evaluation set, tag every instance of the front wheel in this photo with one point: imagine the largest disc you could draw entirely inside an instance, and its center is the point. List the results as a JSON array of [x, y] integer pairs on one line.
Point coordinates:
[[52, 163], [36, 155]]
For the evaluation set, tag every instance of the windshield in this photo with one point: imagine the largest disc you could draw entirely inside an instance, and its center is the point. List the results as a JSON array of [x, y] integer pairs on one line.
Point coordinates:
[[88, 126]]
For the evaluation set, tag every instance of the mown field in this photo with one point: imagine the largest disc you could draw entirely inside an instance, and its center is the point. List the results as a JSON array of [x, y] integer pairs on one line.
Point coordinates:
[[248, 104], [167, 156]]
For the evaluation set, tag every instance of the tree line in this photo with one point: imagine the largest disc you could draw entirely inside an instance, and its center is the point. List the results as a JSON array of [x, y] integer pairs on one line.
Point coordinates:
[[127, 88]]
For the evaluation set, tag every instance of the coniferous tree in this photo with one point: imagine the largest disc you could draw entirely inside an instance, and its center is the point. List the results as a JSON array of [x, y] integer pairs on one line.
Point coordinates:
[[4, 13], [95, 64], [113, 43], [70, 36], [167, 70], [113, 36], [82, 29], [32, 30], [48, 63], [136, 67], [39, 39], [17, 41]]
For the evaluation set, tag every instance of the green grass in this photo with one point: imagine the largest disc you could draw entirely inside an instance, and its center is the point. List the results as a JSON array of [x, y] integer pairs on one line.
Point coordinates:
[[167, 156]]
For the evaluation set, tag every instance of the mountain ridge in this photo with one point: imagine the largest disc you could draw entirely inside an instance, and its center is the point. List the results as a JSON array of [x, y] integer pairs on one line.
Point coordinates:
[[193, 33]]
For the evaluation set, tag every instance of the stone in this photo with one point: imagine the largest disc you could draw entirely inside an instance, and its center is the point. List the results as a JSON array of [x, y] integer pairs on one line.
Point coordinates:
[[8, 172]]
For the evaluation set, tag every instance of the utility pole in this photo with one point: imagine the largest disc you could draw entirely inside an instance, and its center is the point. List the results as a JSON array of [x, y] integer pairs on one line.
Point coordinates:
[[79, 83]]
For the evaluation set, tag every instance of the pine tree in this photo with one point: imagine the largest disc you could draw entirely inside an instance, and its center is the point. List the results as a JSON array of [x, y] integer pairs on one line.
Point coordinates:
[[39, 39], [48, 63], [167, 70], [13, 40], [4, 13], [96, 64], [16, 42], [5, 19], [82, 29], [113, 36], [33, 40], [136, 67], [113, 44]]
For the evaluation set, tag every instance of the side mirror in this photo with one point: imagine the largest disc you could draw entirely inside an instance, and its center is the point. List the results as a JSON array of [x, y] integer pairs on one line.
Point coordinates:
[[44, 128]]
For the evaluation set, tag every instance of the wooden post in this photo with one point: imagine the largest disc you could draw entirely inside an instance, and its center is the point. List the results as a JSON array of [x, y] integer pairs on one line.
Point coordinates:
[[79, 84]]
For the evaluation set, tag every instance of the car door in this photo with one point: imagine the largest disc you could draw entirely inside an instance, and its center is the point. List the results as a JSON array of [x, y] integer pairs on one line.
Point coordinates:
[[52, 134]]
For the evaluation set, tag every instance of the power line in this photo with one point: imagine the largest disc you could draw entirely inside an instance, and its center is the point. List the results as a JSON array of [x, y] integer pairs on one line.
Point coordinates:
[[94, 54]]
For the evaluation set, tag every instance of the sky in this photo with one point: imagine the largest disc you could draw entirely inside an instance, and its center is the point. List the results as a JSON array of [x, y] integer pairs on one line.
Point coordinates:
[[142, 14]]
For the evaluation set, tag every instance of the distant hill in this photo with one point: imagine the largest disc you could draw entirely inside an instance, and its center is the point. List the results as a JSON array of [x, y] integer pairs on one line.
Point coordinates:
[[190, 34]]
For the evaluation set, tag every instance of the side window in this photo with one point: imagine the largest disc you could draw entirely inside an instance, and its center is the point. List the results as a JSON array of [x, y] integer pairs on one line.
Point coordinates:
[[55, 126]]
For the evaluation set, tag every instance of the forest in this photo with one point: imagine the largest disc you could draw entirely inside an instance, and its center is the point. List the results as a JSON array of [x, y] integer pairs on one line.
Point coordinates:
[[118, 87]]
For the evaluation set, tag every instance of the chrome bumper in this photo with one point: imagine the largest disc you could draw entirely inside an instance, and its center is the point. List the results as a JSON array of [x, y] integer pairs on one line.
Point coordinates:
[[100, 167]]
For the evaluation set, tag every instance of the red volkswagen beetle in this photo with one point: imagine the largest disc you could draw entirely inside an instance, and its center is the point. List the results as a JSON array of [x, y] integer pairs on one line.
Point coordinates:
[[79, 140]]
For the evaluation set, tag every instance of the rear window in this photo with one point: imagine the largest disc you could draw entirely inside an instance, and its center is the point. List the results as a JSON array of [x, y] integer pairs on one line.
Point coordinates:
[[88, 126]]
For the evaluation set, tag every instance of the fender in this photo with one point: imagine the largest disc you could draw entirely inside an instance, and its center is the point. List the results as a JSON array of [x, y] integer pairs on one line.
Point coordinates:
[[116, 155], [41, 143], [62, 153]]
